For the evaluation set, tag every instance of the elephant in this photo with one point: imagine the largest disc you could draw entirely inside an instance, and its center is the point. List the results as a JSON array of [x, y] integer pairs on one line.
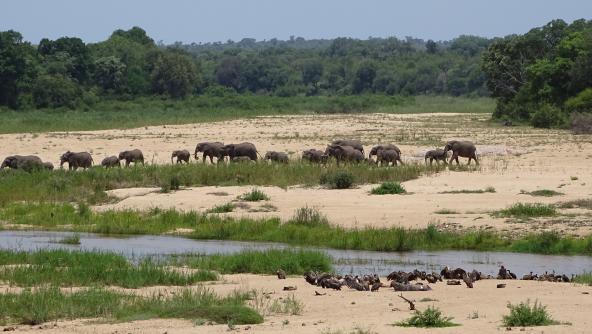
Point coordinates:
[[350, 142], [134, 156], [75, 160], [181, 155], [277, 156], [314, 155], [241, 150], [375, 149], [388, 156], [344, 153], [437, 154], [465, 149], [48, 165], [110, 162], [24, 162], [211, 150]]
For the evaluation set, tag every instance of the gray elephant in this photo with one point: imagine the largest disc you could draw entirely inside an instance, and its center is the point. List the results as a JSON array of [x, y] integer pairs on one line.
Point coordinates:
[[464, 149], [437, 154], [344, 153], [136, 156], [47, 165], [181, 155], [25, 162], [375, 149], [241, 150], [110, 162], [315, 156], [350, 142], [388, 156], [76, 160], [277, 156], [211, 150]]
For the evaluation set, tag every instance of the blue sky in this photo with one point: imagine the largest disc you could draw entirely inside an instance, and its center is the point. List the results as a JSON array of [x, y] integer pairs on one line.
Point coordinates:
[[220, 20]]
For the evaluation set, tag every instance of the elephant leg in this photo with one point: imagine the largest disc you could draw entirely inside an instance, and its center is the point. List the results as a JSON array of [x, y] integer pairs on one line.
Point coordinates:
[[476, 161]]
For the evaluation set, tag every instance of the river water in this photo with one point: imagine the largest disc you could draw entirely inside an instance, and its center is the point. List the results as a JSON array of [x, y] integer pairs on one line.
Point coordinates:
[[345, 261]]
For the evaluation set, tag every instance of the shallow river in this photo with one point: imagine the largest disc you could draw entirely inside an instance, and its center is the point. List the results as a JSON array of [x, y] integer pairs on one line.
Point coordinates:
[[345, 261]]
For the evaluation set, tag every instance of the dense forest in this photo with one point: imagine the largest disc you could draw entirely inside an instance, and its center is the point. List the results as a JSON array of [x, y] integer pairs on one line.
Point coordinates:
[[540, 77]]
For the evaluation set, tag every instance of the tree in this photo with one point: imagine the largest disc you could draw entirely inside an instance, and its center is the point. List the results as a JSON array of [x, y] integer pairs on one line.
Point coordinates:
[[71, 51], [109, 73], [431, 47], [15, 57], [312, 71], [364, 77], [175, 75], [53, 91], [228, 72]]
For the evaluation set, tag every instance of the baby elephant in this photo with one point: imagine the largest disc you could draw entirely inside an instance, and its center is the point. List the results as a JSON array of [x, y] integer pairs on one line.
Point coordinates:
[[388, 156], [181, 155], [277, 156], [48, 165], [437, 154], [110, 162]]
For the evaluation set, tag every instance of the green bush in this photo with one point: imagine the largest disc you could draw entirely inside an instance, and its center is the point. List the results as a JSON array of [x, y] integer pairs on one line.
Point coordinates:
[[309, 217], [255, 195], [581, 103], [524, 315], [389, 188], [430, 318], [546, 117], [338, 180]]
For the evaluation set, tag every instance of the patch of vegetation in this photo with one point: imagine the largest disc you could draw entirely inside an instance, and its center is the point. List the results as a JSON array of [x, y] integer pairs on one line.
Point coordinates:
[[311, 231], [585, 203], [584, 278], [37, 306], [573, 178], [255, 195], [525, 315], [289, 305], [427, 299], [310, 217], [430, 318], [470, 191], [337, 180], [74, 268], [446, 212], [527, 210], [74, 239], [222, 208], [293, 262], [542, 192], [356, 330], [389, 188]]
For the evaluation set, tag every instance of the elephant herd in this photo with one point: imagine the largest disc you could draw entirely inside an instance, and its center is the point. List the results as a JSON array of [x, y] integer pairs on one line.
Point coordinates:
[[342, 151]]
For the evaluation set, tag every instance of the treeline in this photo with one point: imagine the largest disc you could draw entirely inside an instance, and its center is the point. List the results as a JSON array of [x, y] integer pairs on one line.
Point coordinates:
[[544, 77], [67, 72]]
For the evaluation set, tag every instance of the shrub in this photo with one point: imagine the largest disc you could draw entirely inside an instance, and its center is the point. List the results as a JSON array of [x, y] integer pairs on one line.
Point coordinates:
[[338, 180], [224, 208], [430, 318], [309, 217], [524, 315], [581, 123], [254, 195], [581, 103], [388, 188], [526, 210], [544, 193], [546, 117]]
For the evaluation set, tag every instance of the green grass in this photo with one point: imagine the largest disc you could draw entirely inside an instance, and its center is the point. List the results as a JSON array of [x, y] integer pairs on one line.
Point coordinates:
[[584, 278], [388, 188], [152, 111], [525, 315], [542, 193], [70, 268], [255, 195], [70, 240], [308, 228], [527, 210], [584, 203], [293, 262], [47, 304], [470, 191], [430, 318], [446, 212], [340, 179], [90, 185], [222, 208], [289, 305]]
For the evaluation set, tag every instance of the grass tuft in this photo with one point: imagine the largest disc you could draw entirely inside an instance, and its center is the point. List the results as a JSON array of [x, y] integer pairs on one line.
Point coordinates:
[[525, 315], [527, 210], [430, 318], [289, 305], [446, 212], [337, 180], [542, 193], [223, 208], [255, 195], [577, 204], [388, 188], [310, 217], [470, 191], [584, 278]]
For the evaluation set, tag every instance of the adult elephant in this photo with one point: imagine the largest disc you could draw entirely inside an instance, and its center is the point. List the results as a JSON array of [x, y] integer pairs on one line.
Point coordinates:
[[211, 150], [136, 156], [344, 153], [24, 162], [315, 156], [375, 149], [241, 150], [356, 144], [76, 160], [181, 155], [464, 149]]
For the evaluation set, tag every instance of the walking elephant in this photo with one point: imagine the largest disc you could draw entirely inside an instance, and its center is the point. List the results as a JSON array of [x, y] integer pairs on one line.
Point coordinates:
[[464, 149], [181, 155], [375, 149], [110, 162], [437, 154], [344, 153], [388, 157], [315, 156], [211, 150], [241, 150], [356, 144], [277, 156], [25, 162], [136, 156], [76, 160]]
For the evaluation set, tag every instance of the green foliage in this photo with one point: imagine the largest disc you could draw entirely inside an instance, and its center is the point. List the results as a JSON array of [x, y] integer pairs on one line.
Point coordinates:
[[222, 208], [53, 91], [584, 278], [546, 117], [581, 103], [388, 188], [337, 180], [174, 74], [310, 217], [255, 195], [527, 210], [470, 191], [524, 315], [430, 318]]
